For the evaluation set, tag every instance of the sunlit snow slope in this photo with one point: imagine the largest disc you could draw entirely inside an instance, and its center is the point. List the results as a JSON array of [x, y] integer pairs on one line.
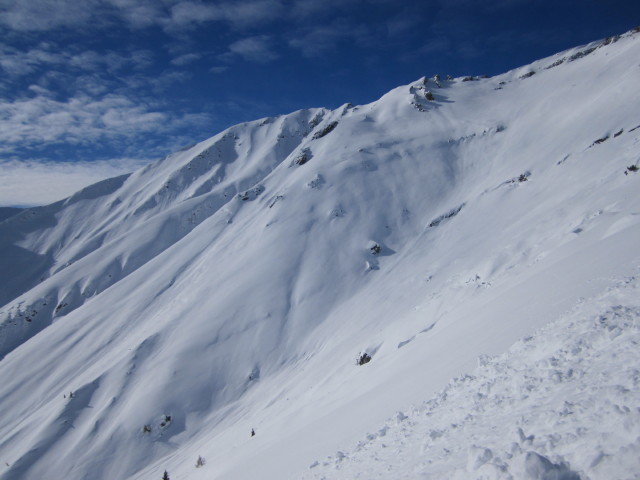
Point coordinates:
[[233, 285]]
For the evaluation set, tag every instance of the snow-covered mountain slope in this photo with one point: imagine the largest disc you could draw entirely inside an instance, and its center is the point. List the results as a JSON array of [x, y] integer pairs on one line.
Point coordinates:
[[564, 397], [6, 212], [232, 285], [152, 209]]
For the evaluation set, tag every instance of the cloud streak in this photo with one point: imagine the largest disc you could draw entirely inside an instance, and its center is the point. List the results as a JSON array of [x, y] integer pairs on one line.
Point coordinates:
[[17, 63], [53, 97], [81, 120], [254, 49], [39, 182], [171, 15]]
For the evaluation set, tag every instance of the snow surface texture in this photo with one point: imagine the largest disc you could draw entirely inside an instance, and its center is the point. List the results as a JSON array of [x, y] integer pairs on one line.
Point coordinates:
[[562, 404], [161, 316]]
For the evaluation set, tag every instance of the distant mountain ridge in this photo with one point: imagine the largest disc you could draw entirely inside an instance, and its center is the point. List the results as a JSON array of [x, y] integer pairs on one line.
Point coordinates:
[[6, 212]]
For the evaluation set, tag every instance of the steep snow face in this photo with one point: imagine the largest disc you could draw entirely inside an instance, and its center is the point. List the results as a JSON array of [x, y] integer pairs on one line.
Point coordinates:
[[76, 248], [234, 284]]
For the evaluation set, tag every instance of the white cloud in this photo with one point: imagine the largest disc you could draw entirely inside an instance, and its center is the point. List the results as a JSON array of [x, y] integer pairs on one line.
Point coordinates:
[[186, 59], [39, 15], [184, 14], [317, 40], [141, 13], [255, 49], [44, 15], [315, 8], [78, 120], [239, 14], [16, 63], [253, 12], [70, 102], [172, 15], [33, 182], [113, 122]]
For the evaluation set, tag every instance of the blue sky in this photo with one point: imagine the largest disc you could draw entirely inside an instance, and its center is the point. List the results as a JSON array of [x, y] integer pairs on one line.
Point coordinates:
[[96, 88]]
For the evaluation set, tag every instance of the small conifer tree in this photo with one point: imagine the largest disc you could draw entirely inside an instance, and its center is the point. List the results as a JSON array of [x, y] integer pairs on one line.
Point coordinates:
[[165, 476]]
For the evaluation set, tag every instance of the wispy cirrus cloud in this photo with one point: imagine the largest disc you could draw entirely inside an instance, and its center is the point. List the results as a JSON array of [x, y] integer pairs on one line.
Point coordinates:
[[16, 62], [312, 27], [44, 15], [84, 131], [186, 59], [171, 15], [50, 94], [218, 69], [303, 9], [40, 15], [37, 122], [238, 14], [319, 39], [257, 49]]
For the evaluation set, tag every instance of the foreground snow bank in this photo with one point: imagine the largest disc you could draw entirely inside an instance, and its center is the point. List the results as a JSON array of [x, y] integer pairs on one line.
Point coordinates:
[[563, 404]]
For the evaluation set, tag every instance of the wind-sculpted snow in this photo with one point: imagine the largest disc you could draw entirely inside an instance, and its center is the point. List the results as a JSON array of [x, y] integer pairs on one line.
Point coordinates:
[[231, 287], [559, 404]]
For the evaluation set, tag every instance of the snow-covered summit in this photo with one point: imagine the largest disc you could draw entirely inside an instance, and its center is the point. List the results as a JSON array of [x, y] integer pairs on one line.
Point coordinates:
[[163, 315]]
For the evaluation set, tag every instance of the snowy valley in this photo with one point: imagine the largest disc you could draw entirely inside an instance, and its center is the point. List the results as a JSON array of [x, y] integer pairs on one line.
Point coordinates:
[[484, 230]]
